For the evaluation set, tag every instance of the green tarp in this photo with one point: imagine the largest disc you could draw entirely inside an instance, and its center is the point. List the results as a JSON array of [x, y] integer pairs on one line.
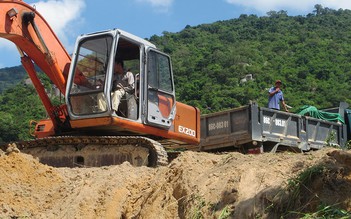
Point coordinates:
[[348, 122], [315, 113]]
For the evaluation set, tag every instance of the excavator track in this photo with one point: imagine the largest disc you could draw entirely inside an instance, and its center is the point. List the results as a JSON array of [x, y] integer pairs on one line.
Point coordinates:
[[95, 151]]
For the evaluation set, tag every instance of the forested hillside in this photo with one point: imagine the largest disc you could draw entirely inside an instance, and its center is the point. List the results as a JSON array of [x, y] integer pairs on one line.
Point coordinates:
[[20, 104], [311, 54], [11, 76]]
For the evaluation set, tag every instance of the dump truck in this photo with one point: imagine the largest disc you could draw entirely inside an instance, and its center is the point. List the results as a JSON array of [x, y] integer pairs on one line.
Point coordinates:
[[254, 129]]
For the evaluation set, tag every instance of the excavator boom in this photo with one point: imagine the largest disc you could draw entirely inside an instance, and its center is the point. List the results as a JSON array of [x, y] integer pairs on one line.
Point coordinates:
[[29, 31]]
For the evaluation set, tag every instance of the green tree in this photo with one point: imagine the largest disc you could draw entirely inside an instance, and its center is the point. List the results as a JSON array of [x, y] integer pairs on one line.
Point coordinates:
[[8, 128]]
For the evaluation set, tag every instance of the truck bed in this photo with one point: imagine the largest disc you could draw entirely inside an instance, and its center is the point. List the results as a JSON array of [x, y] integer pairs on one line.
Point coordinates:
[[252, 127]]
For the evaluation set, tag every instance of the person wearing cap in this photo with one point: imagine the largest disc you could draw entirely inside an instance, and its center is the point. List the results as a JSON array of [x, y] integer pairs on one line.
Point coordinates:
[[123, 82], [276, 96]]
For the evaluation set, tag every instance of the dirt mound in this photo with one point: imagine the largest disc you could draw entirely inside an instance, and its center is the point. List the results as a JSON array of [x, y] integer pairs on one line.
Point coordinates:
[[194, 185], [24, 182]]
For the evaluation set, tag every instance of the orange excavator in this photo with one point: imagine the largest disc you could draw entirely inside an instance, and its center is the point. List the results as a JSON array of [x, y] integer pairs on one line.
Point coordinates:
[[86, 130]]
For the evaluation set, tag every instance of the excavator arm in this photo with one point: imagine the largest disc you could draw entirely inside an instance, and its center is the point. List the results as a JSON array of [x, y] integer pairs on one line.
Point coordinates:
[[34, 38], [37, 44]]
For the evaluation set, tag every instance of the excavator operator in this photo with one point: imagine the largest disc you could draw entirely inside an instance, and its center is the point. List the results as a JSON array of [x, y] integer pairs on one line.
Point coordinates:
[[123, 82]]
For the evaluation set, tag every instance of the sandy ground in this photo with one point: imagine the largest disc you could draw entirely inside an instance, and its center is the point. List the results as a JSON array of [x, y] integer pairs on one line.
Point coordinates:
[[194, 185]]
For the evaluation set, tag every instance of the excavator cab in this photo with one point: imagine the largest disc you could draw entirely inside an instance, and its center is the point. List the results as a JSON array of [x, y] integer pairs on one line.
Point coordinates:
[[90, 80]]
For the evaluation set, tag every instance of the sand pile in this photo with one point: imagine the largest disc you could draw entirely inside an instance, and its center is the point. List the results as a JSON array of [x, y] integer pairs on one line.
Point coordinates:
[[194, 185]]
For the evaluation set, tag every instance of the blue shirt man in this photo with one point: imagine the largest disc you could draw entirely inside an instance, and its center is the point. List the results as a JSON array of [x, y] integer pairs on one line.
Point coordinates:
[[276, 96]]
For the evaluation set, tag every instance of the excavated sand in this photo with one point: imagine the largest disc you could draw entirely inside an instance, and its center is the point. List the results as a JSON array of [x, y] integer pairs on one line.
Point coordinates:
[[194, 185]]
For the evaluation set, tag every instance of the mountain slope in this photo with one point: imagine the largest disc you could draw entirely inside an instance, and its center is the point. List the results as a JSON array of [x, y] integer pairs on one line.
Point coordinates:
[[11, 76], [310, 54]]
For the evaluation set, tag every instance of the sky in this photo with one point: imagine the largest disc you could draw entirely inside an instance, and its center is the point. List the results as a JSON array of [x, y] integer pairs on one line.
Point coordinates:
[[144, 18]]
